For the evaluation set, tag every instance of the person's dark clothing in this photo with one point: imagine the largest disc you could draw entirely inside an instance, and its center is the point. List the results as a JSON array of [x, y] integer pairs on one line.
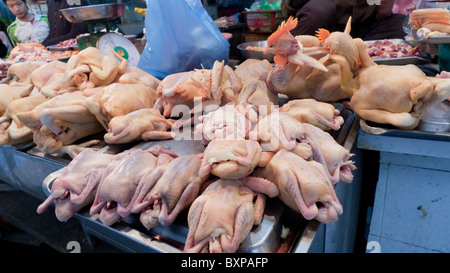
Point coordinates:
[[333, 15], [60, 28], [306, 11], [388, 28], [3, 49]]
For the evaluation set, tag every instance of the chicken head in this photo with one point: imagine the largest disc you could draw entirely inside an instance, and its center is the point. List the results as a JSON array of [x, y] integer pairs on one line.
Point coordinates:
[[287, 49]]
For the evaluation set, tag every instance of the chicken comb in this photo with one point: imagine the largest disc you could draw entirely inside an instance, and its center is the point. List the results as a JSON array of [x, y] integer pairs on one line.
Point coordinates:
[[322, 34], [285, 27]]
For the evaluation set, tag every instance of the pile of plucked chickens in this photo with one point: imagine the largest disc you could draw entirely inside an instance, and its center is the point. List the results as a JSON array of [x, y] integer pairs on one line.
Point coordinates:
[[253, 149]]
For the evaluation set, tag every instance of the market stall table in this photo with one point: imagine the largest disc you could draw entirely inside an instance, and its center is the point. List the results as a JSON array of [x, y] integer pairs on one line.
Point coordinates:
[[129, 235], [410, 212]]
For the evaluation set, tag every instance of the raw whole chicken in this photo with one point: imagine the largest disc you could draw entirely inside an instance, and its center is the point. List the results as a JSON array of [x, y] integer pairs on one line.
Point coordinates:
[[21, 72], [48, 78], [41, 75], [303, 186], [287, 49], [396, 95], [9, 93], [223, 215], [329, 153], [92, 67], [201, 84], [230, 85], [291, 74], [253, 69], [60, 121], [320, 84], [256, 100], [281, 131], [138, 76], [180, 89], [12, 131], [117, 187], [75, 188], [227, 122], [352, 49], [299, 82], [320, 114], [118, 99], [53, 86], [146, 124], [347, 52], [168, 190], [254, 92], [307, 82], [230, 159]]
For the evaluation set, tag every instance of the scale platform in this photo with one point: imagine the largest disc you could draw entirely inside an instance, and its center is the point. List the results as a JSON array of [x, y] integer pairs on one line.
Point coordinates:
[[93, 15]]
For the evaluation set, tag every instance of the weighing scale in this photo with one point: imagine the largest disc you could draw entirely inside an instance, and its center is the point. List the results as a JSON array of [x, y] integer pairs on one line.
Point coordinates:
[[102, 14]]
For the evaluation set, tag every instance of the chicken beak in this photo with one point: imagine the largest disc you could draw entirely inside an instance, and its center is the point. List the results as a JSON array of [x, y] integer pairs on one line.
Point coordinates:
[[303, 59]]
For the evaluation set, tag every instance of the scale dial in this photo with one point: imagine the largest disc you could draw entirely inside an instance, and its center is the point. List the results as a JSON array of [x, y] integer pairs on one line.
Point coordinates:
[[121, 45]]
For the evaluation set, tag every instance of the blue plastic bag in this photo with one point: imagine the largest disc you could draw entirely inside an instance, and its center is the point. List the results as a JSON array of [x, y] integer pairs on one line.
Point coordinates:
[[181, 36]]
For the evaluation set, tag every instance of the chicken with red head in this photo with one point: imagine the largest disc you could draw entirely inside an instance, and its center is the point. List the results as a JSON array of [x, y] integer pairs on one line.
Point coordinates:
[[287, 49]]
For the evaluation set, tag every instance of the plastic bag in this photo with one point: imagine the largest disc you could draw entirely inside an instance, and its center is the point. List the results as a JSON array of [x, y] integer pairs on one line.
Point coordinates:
[[181, 36]]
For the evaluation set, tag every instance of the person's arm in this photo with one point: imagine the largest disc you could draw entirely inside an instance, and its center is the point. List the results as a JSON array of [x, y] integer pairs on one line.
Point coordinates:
[[75, 30]]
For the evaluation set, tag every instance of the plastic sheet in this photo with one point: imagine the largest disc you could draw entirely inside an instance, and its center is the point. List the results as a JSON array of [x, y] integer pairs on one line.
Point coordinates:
[[181, 36]]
